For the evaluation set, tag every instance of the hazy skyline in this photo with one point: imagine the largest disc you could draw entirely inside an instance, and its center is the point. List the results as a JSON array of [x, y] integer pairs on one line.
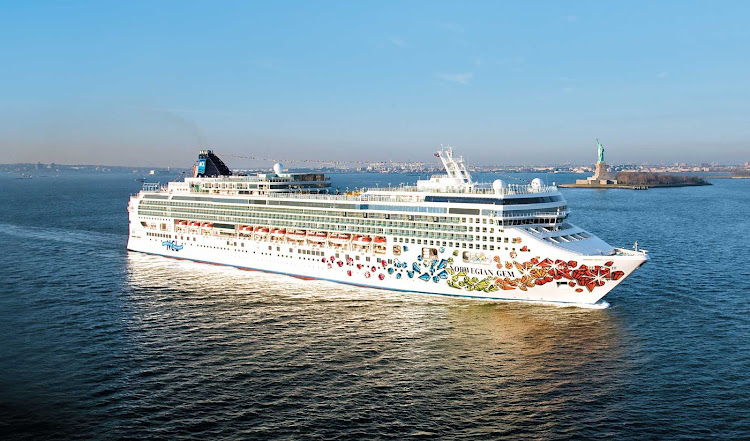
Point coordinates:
[[150, 83]]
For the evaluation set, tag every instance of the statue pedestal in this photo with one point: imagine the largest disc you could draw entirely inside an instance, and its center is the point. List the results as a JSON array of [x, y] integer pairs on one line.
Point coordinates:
[[601, 177], [601, 171]]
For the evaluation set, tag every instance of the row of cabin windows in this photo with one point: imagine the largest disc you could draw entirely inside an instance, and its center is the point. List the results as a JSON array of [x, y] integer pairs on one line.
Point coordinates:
[[361, 226], [241, 210], [300, 221], [165, 236], [450, 244], [438, 242], [203, 209], [265, 218]]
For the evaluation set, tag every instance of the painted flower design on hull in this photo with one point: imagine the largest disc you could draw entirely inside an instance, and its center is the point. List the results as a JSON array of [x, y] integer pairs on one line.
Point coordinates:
[[526, 275]]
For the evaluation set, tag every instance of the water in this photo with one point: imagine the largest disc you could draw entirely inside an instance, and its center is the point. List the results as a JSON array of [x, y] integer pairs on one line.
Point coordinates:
[[99, 343]]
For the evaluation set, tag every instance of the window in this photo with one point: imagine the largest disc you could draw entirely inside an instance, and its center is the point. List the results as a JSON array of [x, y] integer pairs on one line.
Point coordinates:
[[475, 257], [429, 253]]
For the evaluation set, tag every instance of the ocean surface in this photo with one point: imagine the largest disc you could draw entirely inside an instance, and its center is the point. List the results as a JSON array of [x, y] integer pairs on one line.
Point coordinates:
[[100, 343]]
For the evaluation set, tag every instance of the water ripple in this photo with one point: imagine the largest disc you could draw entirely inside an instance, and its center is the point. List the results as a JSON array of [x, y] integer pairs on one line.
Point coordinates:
[[99, 343]]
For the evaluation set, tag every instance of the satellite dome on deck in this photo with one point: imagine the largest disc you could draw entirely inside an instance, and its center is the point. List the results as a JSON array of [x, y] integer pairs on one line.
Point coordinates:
[[278, 168], [536, 183], [498, 185]]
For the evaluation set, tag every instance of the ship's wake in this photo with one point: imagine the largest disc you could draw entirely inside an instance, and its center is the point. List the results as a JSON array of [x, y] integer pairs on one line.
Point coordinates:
[[50, 234], [598, 305]]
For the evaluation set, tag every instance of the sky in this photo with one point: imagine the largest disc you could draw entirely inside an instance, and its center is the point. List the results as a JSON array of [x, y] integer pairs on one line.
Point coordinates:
[[504, 82]]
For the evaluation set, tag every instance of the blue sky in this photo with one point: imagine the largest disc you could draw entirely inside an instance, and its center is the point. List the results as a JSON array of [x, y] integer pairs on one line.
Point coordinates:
[[149, 83]]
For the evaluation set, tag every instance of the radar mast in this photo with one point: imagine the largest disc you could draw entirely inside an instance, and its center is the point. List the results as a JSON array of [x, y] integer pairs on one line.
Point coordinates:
[[456, 168]]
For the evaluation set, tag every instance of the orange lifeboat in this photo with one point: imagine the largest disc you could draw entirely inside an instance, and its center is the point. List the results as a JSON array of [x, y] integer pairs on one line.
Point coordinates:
[[379, 241], [316, 237], [299, 235], [182, 223], [339, 239], [363, 240], [278, 233], [262, 231]]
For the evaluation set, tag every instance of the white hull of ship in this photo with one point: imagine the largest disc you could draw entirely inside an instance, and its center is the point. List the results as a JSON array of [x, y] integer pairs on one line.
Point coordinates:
[[467, 279]]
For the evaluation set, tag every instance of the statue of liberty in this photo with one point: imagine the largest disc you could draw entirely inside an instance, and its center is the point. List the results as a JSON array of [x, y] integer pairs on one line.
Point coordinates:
[[601, 150]]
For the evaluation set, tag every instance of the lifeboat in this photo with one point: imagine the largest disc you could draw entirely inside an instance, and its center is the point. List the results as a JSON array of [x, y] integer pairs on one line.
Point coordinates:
[[182, 223], [379, 245], [339, 239], [278, 233], [262, 231], [316, 237], [207, 225], [362, 240], [299, 235], [195, 224]]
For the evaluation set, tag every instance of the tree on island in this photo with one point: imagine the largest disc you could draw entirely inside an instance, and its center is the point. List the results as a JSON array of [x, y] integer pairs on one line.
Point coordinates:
[[657, 179]]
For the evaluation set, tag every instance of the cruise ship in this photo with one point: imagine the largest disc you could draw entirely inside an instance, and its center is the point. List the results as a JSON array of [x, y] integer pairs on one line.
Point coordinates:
[[446, 235]]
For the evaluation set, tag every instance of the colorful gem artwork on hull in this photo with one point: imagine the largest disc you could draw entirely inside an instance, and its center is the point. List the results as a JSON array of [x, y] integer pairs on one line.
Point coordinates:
[[171, 245], [508, 276]]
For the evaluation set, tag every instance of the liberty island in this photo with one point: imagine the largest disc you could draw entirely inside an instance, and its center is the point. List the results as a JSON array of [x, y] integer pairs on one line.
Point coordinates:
[[603, 179]]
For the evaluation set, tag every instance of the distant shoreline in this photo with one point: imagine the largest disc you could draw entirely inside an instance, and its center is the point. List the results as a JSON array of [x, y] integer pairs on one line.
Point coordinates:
[[634, 187], [727, 177]]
